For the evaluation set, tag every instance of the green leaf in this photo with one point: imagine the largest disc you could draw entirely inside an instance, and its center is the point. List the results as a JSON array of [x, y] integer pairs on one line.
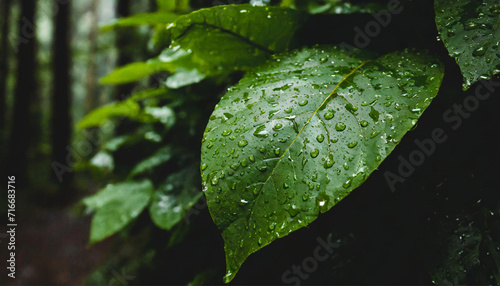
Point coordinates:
[[299, 133], [175, 197], [179, 6], [161, 156], [215, 42], [470, 30], [97, 117], [117, 205], [331, 6], [134, 71], [151, 19], [219, 40]]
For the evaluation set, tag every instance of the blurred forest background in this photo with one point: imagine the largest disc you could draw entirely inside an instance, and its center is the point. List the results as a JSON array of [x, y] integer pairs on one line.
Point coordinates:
[[441, 225]]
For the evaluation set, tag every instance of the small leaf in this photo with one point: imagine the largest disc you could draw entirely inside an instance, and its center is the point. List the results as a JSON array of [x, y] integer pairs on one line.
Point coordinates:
[[134, 71], [97, 117], [175, 197], [161, 156], [470, 30], [299, 133], [151, 19], [117, 205]]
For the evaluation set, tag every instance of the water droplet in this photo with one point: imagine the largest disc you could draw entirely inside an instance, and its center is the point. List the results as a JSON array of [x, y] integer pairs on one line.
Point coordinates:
[[363, 123], [214, 181], [347, 184], [252, 158], [479, 51], [277, 127], [303, 102], [204, 166], [260, 132], [262, 149], [286, 186], [315, 153], [329, 161], [352, 144], [320, 138], [288, 110], [227, 132], [243, 143], [262, 168], [271, 226], [244, 163], [329, 115], [340, 126], [277, 151]]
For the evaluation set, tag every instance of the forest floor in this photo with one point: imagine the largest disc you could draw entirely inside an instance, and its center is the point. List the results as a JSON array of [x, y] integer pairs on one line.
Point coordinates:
[[53, 248]]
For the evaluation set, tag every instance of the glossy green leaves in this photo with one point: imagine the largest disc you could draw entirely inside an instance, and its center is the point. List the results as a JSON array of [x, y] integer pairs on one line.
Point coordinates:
[[215, 42], [470, 30], [117, 205], [299, 133]]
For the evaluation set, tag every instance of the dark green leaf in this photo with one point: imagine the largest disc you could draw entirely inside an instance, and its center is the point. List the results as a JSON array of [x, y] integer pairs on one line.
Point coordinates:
[[219, 40], [151, 19], [301, 132], [331, 6], [215, 42], [173, 199], [470, 30], [161, 156], [117, 205]]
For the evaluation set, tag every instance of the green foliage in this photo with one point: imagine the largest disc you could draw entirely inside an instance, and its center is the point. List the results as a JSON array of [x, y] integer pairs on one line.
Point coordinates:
[[116, 205], [298, 128], [301, 132], [195, 52], [471, 33]]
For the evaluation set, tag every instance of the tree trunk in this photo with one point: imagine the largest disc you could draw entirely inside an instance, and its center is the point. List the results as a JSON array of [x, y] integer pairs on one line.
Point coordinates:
[[91, 81], [124, 45], [61, 97], [25, 92], [4, 66]]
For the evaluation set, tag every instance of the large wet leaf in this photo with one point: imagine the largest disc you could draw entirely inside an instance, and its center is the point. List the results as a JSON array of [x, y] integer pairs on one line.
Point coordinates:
[[470, 30], [215, 42], [301, 132], [117, 205]]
